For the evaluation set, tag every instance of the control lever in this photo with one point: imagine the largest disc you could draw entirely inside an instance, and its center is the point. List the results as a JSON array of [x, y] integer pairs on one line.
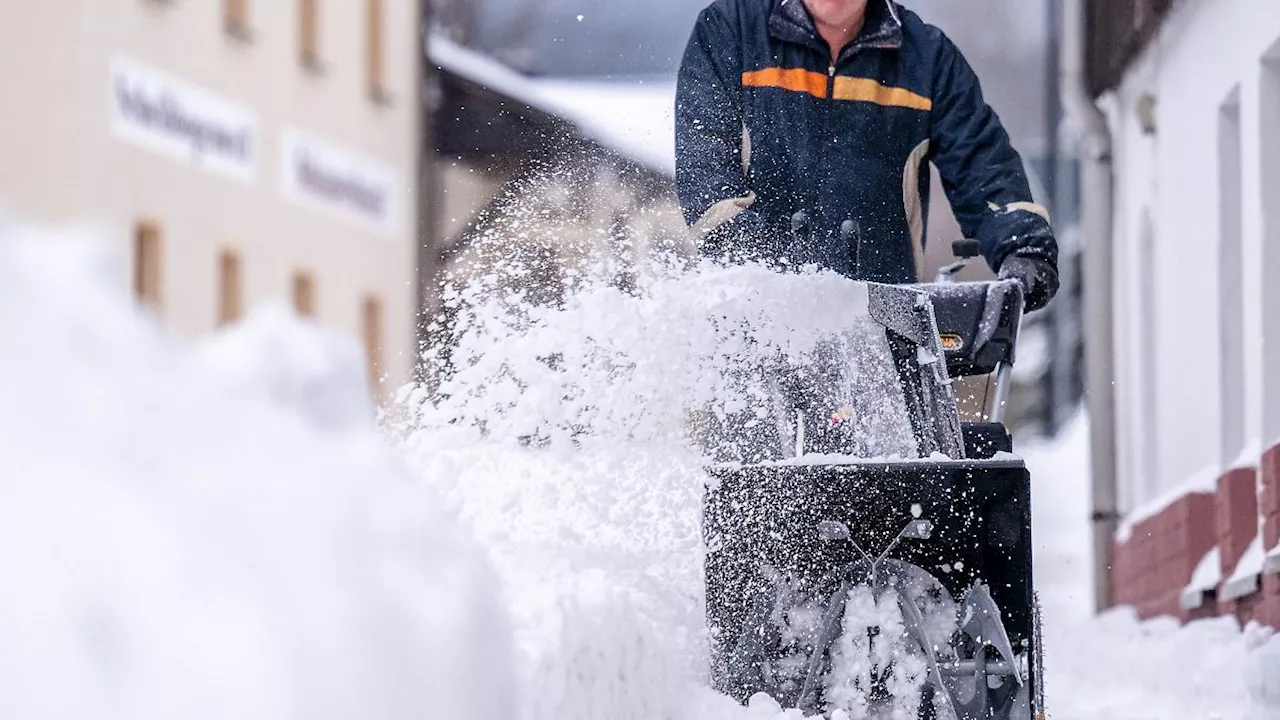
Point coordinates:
[[964, 250], [801, 238], [851, 236]]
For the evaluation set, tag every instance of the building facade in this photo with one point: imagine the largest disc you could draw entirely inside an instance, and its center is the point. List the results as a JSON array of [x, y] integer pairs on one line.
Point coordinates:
[[1191, 91], [237, 152]]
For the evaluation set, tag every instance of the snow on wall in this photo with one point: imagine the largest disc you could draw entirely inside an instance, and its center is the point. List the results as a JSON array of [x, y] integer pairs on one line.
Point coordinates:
[[177, 541], [1204, 481]]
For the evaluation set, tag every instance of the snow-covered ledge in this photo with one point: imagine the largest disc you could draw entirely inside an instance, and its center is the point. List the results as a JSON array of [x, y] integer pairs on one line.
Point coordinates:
[[1203, 581], [1271, 566], [1246, 579]]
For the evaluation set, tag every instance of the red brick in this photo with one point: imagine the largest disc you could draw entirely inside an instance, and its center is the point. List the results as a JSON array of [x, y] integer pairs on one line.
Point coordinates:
[[1153, 567], [1270, 471], [1201, 523], [1237, 515], [1269, 612], [1270, 497]]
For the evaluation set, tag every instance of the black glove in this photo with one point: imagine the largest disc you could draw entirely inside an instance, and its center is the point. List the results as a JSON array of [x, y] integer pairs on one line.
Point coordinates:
[[1037, 276]]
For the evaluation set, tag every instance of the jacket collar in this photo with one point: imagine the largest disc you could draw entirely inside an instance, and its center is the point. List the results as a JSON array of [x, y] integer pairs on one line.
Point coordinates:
[[789, 21]]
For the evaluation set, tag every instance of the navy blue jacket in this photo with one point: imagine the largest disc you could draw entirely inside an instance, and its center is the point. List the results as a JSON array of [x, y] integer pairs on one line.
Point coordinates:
[[766, 126]]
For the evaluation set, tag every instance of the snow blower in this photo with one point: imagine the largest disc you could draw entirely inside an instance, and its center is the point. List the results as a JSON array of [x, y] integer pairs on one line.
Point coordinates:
[[895, 587]]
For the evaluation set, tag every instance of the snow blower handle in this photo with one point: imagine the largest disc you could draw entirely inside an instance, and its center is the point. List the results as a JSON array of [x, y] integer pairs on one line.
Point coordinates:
[[964, 250]]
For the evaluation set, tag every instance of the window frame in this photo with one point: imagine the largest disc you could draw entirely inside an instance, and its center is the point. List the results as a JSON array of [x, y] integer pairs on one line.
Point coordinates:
[[373, 333], [375, 42], [310, 48], [236, 18], [303, 293], [148, 264], [230, 286]]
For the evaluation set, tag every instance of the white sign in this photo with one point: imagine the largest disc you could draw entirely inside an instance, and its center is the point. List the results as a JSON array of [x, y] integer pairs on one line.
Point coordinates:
[[182, 121], [340, 181]]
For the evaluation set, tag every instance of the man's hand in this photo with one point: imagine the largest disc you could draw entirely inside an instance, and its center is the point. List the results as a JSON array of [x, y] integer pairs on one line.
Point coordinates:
[[1038, 278]]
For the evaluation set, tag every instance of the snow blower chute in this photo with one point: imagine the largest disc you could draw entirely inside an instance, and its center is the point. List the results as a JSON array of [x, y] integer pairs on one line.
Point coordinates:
[[896, 587]]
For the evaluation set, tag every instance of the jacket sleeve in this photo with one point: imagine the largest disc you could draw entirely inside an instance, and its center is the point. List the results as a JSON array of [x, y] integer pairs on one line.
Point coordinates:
[[982, 174], [711, 181]]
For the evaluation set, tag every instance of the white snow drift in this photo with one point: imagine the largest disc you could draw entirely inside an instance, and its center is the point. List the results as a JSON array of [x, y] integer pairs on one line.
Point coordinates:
[[218, 535]]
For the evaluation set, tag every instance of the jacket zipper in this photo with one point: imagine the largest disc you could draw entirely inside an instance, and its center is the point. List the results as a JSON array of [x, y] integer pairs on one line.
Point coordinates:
[[831, 82]]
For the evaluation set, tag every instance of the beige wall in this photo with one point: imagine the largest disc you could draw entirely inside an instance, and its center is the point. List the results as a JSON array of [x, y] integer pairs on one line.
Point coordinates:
[[62, 162]]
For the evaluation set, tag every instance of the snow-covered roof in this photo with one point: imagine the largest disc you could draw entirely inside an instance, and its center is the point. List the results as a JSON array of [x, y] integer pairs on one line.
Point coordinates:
[[482, 70], [635, 119]]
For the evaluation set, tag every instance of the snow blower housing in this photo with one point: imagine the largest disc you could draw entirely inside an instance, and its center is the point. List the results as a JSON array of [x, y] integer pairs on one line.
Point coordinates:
[[889, 587]]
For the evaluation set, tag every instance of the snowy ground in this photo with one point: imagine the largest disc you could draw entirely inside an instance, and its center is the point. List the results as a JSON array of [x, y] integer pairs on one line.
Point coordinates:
[[218, 532], [1112, 667]]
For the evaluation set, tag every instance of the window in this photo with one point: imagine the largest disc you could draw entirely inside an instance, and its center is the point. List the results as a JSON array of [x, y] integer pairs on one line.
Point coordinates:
[[235, 17], [230, 288], [1231, 278], [304, 294], [309, 33], [371, 318], [147, 264], [374, 67]]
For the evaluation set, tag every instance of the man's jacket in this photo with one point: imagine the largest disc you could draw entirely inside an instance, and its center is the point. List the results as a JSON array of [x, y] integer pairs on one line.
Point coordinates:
[[767, 126]]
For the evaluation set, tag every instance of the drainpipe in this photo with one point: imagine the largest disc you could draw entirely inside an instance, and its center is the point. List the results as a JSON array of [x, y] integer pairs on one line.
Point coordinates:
[[1097, 199]]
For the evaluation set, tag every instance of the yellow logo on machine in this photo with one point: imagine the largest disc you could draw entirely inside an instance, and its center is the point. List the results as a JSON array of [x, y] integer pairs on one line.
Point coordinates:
[[951, 341]]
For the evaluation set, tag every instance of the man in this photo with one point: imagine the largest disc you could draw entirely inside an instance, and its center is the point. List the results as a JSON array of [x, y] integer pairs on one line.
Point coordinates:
[[805, 129]]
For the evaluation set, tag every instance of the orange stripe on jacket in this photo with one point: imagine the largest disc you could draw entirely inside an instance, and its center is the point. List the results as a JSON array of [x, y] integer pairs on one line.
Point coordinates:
[[867, 90], [797, 79]]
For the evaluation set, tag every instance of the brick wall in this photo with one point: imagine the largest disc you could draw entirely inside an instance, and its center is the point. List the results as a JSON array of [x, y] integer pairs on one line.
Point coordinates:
[[1155, 563], [1269, 612]]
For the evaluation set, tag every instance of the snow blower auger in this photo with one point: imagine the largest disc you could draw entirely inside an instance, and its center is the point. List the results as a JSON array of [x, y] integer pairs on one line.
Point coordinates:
[[887, 588]]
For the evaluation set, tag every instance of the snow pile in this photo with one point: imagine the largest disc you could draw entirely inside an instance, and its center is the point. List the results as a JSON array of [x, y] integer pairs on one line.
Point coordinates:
[[275, 354], [1113, 667], [1263, 680], [199, 537]]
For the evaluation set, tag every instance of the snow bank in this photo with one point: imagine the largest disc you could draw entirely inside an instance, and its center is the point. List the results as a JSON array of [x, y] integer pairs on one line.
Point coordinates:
[[1114, 667], [1264, 681], [275, 354], [214, 536]]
